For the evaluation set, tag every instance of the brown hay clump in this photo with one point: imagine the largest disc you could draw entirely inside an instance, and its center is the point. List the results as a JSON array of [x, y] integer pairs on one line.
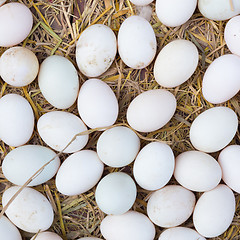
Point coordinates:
[[57, 26]]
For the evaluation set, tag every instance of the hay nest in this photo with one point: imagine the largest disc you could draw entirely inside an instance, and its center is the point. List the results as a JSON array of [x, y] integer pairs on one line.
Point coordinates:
[[57, 26]]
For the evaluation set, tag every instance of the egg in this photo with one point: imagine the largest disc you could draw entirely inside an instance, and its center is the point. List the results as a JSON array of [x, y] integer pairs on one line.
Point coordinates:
[[180, 233], [136, 42], [131, 225], [215, 88], [46, 235], [22, 162], [141, 2], [170, 206], [18, 66], [174, 13], [116, 193], [154, 165], [230, 164], [96, 49], [8, 230], [232, 35], [79, 173], [97, 104], [29, 211], [142, 115], [197, 171], [16, 121], [219, 10], [175, 63], [57, 129], [16, 22], [214, 211], [213, 129], [118, 146], [58, 81]]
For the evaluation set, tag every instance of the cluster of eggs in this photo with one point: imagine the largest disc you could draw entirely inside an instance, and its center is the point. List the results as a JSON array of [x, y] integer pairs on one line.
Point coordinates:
[[153, 166]]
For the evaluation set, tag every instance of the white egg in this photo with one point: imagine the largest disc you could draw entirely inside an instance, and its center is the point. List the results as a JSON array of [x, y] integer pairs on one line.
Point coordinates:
[[215, 88], [141, 2], [118, 146], [8, 230], [232, 35], [142, 115], [173, 13], [175, 63], [29, 211], [58, 81], [229, 160], [180, 233], [213, 129], [16, 22], [16, 121], [131, 225], [57, 129], [22, 162], [214, 211], [197, 171], [97, 104], [170, 206], [136, 42], [116, 193], [154, 165], [96, 50], [46, 236], [79, 173], [219, 10], [18, 66]]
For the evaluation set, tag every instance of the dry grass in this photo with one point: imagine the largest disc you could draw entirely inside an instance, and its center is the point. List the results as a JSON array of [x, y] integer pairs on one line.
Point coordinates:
[[57, 26]]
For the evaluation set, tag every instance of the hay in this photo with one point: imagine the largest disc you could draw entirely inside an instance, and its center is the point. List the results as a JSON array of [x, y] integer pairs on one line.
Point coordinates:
[[57, 26]]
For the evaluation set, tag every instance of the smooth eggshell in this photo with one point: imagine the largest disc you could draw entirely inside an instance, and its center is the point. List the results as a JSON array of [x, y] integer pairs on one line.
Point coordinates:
[[141, 2], [131, 225], [15, 23], [229, 160], [118, 146], [214, 211], [232, 35], [218, 10], [79, 173], [22, 162], [58, 81], [97, 104], [180, 233], [213, 129], [18, 66], [142, 115], [96, 50], [173, 13], [197, 171], [154, 166], [116, 193], [136, 42], [57, 129], [8, 230], [221, 79], [176, 63], [16, 121], [46, 236], [170, 206], [29, 211]]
